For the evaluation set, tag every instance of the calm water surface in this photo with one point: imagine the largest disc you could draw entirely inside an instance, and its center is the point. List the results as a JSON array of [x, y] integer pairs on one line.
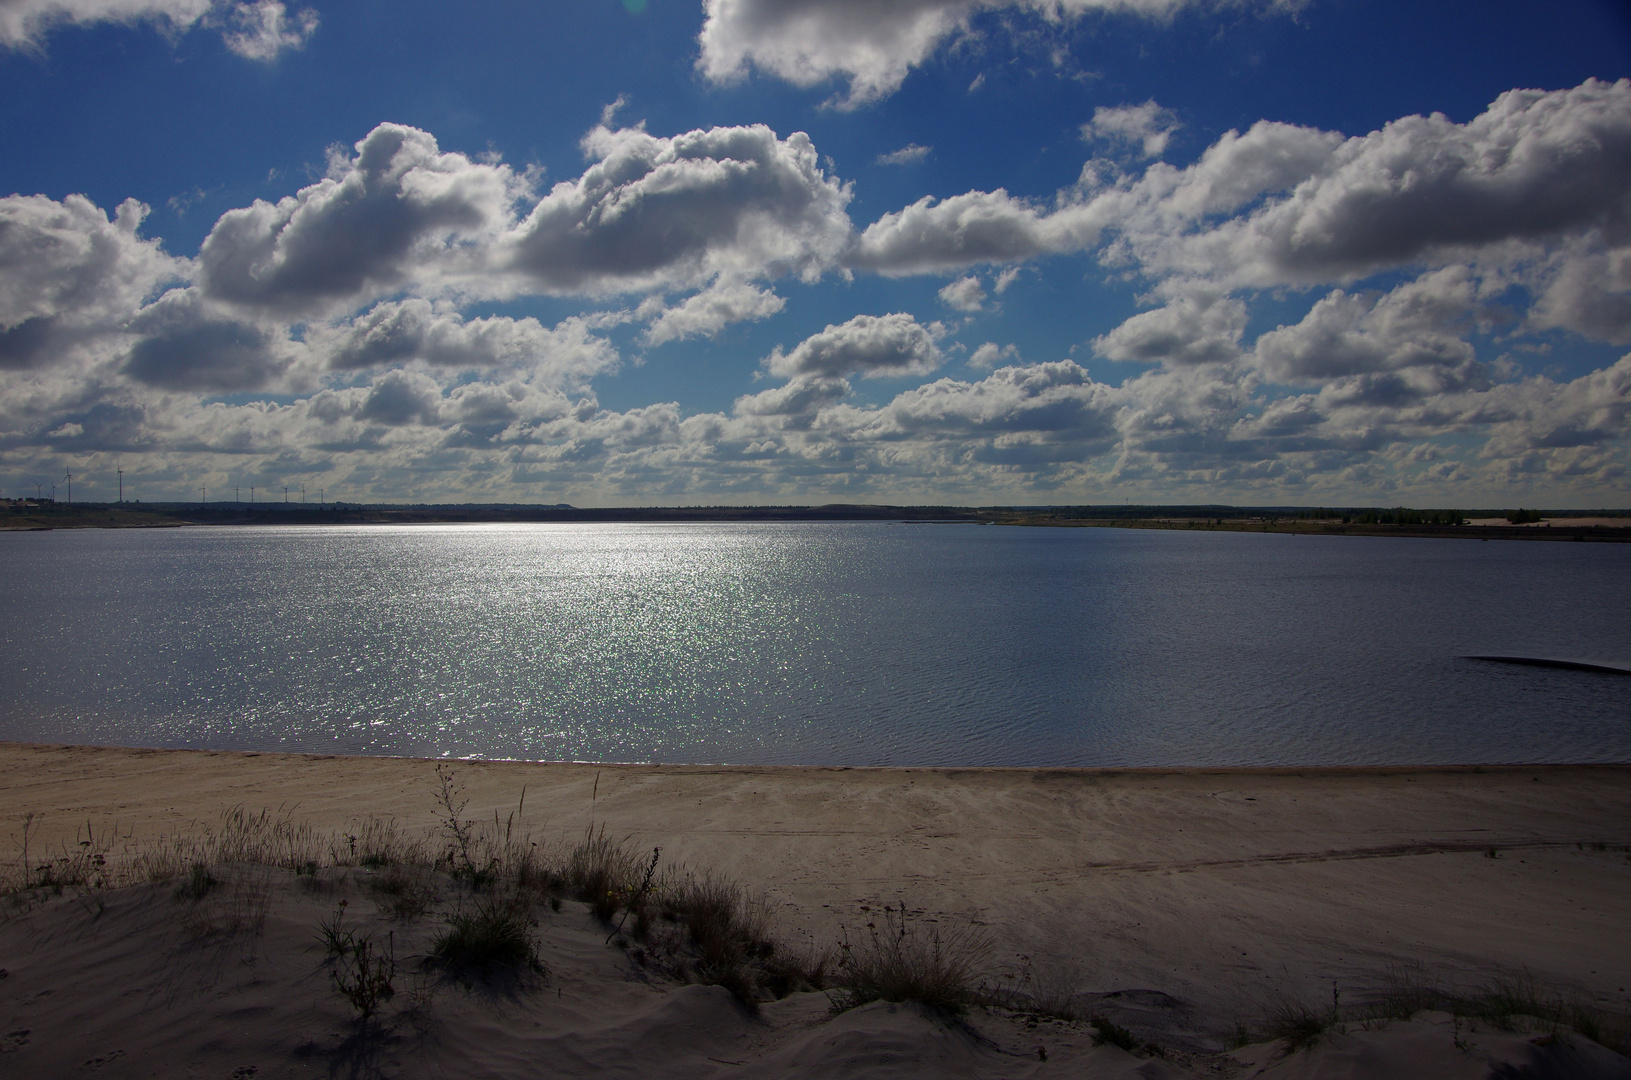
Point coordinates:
[[863, 644]]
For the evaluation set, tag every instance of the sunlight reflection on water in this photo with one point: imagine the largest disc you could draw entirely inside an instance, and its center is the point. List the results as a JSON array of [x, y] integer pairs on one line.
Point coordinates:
[[815, 644]]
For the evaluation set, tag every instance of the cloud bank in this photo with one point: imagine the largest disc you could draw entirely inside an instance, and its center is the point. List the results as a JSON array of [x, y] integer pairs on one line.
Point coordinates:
[[354, 333]]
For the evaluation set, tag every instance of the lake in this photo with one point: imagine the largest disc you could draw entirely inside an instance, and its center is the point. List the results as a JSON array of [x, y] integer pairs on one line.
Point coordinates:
[[816, 644]]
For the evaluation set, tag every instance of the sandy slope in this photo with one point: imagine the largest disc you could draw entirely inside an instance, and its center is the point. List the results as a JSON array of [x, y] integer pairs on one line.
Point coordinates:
[[235, 985], [1197, 898]]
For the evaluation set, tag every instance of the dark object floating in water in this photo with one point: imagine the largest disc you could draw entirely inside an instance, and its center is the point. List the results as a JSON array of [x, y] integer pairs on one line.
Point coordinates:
[[1542, 661]]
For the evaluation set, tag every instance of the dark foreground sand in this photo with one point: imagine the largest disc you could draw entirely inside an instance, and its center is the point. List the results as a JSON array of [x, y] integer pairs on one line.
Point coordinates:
[[1214, 894]]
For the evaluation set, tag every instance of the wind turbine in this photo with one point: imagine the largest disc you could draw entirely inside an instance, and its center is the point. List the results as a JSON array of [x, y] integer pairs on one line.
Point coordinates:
[[302, 493], [235, 494], [68, 478], [121, 472]]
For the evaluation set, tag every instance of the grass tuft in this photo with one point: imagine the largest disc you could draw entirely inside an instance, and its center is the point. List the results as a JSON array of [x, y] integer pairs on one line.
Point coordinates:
[[404, 892], [196, 884], [335, 937], [1301, 1025], [497, 933], [1050, 992], [602, 872], [724, 934], [900, 961], [1508, 1004]]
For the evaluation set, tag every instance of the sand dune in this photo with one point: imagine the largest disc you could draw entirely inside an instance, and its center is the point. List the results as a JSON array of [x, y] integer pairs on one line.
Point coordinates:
[[1177, 903], [131, 991]]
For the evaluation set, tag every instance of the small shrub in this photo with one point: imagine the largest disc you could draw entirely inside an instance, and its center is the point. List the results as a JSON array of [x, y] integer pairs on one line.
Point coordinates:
[[82, 866], [364, 975], [460, 831], [1106, 1030]]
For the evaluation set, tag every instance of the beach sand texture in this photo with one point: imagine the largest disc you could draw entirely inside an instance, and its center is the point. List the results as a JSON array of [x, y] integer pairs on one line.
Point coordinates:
[[1213, 894]]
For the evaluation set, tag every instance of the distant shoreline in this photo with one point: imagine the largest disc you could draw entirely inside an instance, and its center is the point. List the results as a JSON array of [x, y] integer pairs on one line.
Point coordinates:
[[1580, 525], [12, 747]]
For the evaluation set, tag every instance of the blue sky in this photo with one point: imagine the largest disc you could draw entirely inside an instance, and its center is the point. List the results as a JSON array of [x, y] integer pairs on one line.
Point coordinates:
[[966, 251]]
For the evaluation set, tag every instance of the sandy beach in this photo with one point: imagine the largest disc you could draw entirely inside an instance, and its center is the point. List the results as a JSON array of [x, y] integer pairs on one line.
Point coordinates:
[[1198, 897]]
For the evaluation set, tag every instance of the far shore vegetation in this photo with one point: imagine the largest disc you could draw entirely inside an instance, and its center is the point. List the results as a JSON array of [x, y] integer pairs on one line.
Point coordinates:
[[1523, 523]]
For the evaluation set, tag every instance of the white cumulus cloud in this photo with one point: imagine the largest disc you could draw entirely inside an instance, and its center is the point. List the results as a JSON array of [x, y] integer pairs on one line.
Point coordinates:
[[1533, 169], [1189, 329], [1147, 126], [397, 212], [867, 345], [262, 29], [256, 29], [990, 354], [1416, 324], [414, 331], [964, 294], [657, 213], [979, 227], [711, 310], [872, 45], [910, 154]]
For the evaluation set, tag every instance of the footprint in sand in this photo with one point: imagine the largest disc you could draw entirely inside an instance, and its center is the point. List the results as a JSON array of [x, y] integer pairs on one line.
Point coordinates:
[[14, 1040], [105, 1059], [244, 1072]]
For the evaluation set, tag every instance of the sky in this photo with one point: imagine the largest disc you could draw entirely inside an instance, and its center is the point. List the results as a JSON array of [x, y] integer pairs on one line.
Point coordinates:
[[688, 252]]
